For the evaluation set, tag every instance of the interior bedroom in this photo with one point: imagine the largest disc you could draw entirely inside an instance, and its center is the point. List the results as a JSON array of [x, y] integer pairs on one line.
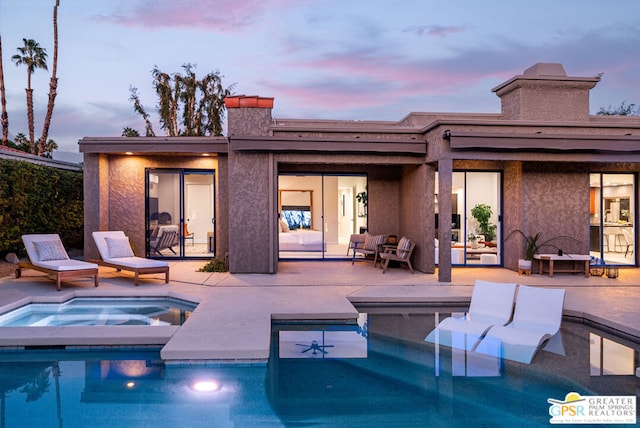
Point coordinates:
[[318, 213]]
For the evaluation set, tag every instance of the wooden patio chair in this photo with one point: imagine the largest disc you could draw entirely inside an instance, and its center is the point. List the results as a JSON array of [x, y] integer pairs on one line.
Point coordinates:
[[402, 253], [370, 247]]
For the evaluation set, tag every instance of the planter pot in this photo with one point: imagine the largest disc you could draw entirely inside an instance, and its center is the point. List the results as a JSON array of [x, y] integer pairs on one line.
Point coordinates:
[[524, 266]]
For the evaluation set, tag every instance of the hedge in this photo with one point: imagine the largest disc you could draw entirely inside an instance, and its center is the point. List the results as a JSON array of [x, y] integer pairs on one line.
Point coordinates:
[[39, 199]]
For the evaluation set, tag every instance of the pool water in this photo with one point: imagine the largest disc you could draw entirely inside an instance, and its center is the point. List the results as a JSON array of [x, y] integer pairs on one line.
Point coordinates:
[[84, 311], [379, 373]]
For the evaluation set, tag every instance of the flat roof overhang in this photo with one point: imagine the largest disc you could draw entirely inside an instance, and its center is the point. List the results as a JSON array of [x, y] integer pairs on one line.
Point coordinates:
[[544, 142], [176, 146], [404, 146]]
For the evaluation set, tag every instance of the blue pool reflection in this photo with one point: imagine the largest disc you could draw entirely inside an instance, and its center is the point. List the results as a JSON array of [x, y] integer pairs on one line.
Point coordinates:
[[377, 373]]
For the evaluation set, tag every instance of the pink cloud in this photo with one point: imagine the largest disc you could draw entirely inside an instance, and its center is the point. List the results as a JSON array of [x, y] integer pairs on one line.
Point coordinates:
[[222, 15], [392, 74]]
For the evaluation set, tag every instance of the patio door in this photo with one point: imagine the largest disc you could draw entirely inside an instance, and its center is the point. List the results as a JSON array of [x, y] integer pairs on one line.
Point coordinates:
[[318, 213], [182, 202], [612, 218], [476, 223]]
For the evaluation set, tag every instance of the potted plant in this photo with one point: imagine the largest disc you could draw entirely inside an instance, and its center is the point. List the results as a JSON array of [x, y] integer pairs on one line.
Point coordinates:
[[482, 213], [533, 245], [362, 199]]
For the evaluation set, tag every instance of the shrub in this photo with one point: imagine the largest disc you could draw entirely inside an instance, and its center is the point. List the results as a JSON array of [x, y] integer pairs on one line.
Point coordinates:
[[214, 265], [39, 199]]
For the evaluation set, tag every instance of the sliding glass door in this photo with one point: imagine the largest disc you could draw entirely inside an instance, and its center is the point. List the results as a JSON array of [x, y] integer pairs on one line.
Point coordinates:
[[180, 213], [476, 219], [612, 218], [318, 213]]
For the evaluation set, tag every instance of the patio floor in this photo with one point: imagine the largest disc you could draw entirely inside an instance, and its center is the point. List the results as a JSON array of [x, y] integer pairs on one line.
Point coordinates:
[[233, 320]]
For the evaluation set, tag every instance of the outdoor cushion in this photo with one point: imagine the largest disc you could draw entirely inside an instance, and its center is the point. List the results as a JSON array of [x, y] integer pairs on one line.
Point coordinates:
[[118, 247], [137, 262], [371, 242], [403, 247], [50, 250], [65, 265]]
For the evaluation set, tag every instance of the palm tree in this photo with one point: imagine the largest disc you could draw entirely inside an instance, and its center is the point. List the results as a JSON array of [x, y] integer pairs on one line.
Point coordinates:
[[3, 101], [53, 83], [49, 147], [130, 132], [34, 57]]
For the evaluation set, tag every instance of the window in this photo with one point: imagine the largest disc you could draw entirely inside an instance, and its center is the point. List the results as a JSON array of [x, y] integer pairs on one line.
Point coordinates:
[[475, 218], [612, 218]]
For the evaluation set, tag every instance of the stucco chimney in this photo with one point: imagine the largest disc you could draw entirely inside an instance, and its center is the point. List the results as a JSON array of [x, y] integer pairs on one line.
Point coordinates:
[[248, 114], [545, 92]]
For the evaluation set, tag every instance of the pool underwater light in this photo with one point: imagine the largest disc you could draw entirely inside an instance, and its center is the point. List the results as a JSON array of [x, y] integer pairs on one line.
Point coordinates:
[[205, 386]]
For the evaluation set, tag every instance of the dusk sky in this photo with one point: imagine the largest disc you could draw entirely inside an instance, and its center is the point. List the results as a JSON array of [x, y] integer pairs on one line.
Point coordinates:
[[337, 59]]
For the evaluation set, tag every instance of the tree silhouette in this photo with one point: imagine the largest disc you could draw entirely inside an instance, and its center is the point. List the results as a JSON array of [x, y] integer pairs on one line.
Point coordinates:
[[198, 102], [34, 57]]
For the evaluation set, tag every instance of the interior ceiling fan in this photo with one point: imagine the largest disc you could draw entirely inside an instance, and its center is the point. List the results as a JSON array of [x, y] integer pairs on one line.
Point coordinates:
[[315, 347]]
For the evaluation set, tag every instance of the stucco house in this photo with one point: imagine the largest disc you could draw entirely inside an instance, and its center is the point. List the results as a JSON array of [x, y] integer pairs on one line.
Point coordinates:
[[278, 189]]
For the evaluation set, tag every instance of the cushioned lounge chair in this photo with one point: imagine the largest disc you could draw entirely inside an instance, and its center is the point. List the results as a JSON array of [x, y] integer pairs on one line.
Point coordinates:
[[491, 305], [115, 251], [47, 254], [536, 319]]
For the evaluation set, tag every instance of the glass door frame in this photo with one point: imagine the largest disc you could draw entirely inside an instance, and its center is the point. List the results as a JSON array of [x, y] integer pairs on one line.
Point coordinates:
[[605, 240], [460, 256], [149, 206], [322, 222]]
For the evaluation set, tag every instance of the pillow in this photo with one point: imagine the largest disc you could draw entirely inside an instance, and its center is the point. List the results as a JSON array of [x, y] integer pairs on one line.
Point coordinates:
[[371, 242], [403, 247], [284, 226], [50, 250], [119, 247]]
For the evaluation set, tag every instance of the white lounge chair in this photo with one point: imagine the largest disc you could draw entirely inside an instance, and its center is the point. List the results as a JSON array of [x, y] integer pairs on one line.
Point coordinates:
[[115, 251], [491, 305], [537, 318], [47, 254]]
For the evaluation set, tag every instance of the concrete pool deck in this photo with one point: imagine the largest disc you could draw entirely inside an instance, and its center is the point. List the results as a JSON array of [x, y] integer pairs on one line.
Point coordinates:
[[233, 320]]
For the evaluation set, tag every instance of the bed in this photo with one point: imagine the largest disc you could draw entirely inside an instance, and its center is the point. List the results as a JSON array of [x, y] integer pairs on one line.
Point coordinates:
[[300, 240]]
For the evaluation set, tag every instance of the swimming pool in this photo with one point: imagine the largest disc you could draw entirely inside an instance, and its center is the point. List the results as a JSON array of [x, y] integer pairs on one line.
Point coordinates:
[[400, 381], [84, 311]]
